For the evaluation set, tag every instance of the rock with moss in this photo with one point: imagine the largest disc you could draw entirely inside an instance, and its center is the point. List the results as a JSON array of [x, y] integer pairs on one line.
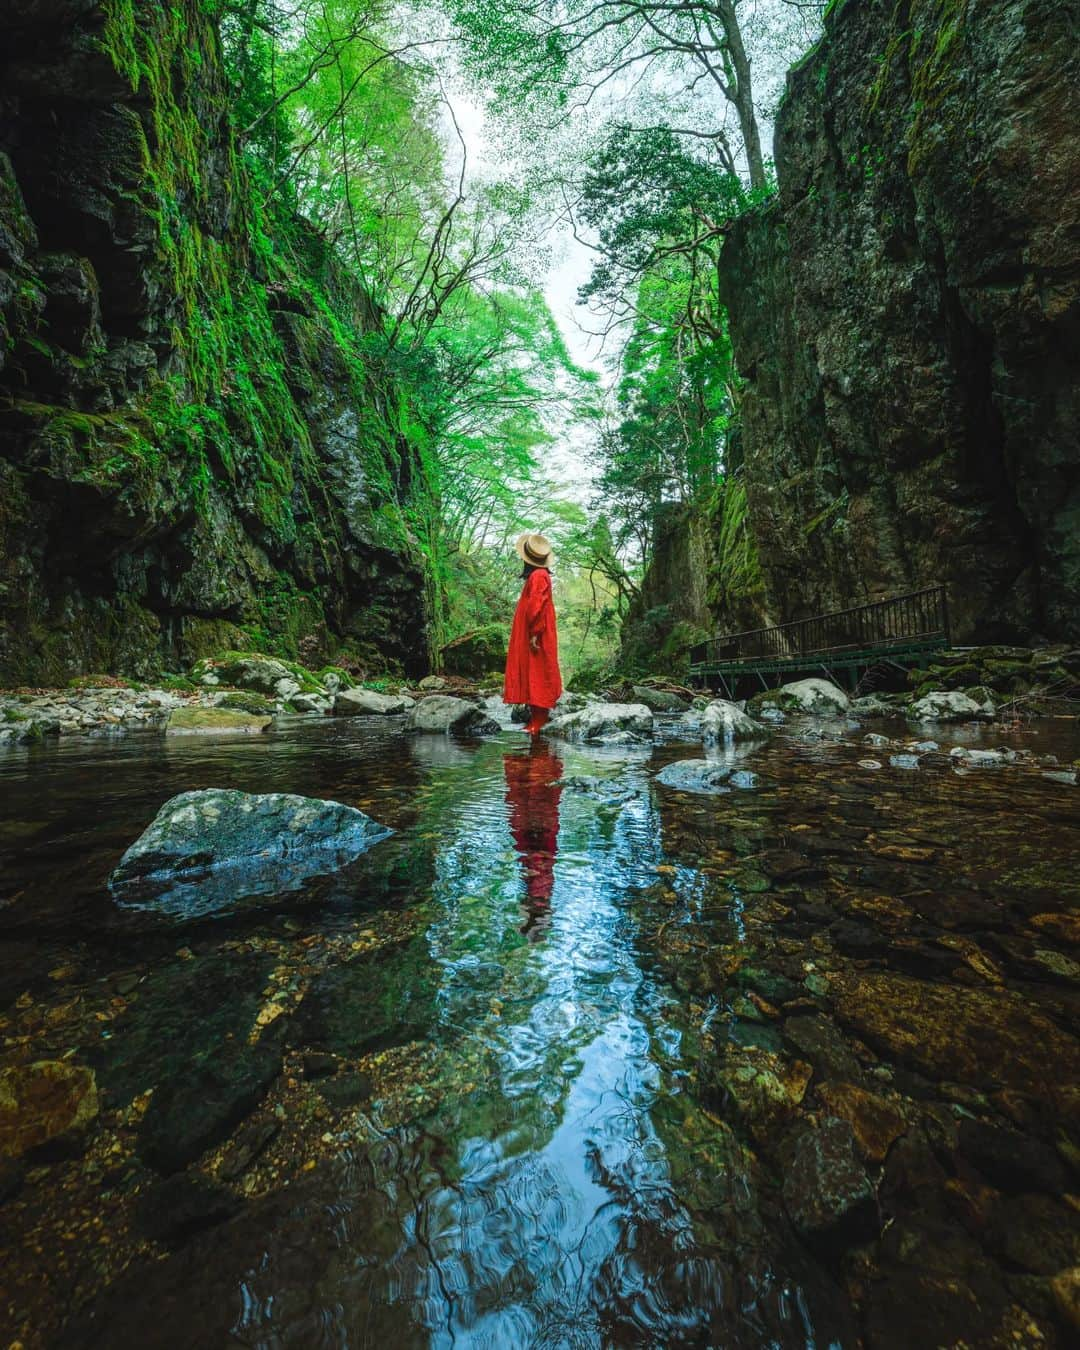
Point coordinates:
[[205, 849], [47, 1105], [813, 697], [194, 721], [265, 675], [476, 654], [952, 706]]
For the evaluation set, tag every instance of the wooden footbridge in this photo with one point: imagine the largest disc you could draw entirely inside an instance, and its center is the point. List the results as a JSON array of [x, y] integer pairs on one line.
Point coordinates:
[[893, 635]]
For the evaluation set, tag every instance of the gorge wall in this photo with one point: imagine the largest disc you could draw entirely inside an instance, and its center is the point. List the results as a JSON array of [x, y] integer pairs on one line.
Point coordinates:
[[196, 449], [906, 317]]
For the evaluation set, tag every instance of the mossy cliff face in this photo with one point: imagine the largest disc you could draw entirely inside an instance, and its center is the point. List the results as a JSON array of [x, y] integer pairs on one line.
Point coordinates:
[[906, 317], [704, 575], [197, 447]]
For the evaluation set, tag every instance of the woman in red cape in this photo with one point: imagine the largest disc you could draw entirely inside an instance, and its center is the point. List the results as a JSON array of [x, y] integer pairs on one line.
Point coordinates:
[[532, 660]]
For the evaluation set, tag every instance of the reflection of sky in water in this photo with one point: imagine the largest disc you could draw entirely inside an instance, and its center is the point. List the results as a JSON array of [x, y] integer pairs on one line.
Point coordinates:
[[554, 1215]]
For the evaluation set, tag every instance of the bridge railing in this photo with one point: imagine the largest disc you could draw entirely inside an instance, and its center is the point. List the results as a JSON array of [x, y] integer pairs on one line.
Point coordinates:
[[919, 616]]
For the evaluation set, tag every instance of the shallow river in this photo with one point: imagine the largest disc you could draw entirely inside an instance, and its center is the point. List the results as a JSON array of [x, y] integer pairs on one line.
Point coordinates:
[[572, 1059]]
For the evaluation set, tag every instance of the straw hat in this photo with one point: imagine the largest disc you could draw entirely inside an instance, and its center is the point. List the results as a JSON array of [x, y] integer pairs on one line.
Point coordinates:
[[534, 549]]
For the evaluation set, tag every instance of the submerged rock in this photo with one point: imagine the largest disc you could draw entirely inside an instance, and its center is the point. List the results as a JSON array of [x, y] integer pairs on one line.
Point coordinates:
[[442, 714], [723, 722], [826, 1189], [45, 1105], [368, 703], [191, 1113], [206, 848], [215, 721], [174, 1210], [985, 1038], [696, 775], [374, 1001], [618, 723]]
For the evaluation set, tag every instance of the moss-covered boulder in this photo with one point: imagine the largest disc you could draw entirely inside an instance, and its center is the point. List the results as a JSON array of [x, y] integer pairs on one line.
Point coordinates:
[[215, 722], [478, 653]]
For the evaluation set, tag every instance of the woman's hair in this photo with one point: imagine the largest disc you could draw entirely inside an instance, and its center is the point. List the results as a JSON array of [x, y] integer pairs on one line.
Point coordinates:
[[527, 569]]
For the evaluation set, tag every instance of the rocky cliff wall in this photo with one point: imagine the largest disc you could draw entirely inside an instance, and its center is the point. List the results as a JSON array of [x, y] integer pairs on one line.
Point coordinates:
[[906, 317], [196, 451]]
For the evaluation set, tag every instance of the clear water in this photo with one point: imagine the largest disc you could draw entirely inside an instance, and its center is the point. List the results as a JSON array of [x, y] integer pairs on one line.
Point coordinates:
[[536, 1162]]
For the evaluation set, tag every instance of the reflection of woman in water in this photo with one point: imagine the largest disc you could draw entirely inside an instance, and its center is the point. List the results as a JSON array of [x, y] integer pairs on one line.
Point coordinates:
[[532, 659], [533, 792]]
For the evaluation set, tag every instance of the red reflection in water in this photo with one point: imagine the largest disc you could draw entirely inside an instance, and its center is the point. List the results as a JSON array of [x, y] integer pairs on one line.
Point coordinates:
[[533, 791]]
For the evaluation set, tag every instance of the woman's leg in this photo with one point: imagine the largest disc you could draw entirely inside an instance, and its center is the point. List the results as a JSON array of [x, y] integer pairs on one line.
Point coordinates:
[[538, 717]]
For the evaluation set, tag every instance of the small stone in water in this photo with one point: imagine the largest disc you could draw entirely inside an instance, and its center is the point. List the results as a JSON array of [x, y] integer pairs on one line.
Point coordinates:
[[904, 761], [869, 763]]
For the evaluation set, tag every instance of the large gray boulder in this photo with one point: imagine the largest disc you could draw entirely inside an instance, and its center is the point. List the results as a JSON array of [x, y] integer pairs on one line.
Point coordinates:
[[819, 698], [723, 722], [614, 723], [442, 714], [205, 849], [368, 703], [951, 705]]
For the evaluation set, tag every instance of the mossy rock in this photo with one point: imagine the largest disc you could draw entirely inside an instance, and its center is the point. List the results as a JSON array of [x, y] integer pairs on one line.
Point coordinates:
[[248, 701], [211, 721], [328, 674]]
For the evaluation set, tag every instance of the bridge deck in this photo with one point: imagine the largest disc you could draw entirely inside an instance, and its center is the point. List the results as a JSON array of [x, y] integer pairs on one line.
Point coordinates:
[[901, 631]]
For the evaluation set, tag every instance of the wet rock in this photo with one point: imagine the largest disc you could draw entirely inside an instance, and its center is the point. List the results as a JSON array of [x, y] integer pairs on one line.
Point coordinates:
[[46, 1106], [771, 985], [614, 723], [1009, 1160], [827, 1192], [442, 715], [12, 1176], [869, 764], [188, 1115], [1069, 777], [762, 1088], [318, 1065], [985, 1038], [367, 703], [215, 721], [185, 1012], [934, 1307], [432, 682], [722, 723], [876, 742], [872, 705], [1035, 1233], [376, 1000], [174, 1210], [904, 761], [818, 1039], [248, 1146], [206, 848], [695, 775], [350, 1089], [875, 1122], [659, 700], [1065, 1287], [310, 703], [949, 705]]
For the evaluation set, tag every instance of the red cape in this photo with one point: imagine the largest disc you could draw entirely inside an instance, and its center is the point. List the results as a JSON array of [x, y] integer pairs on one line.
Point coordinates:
[[533, 677]]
